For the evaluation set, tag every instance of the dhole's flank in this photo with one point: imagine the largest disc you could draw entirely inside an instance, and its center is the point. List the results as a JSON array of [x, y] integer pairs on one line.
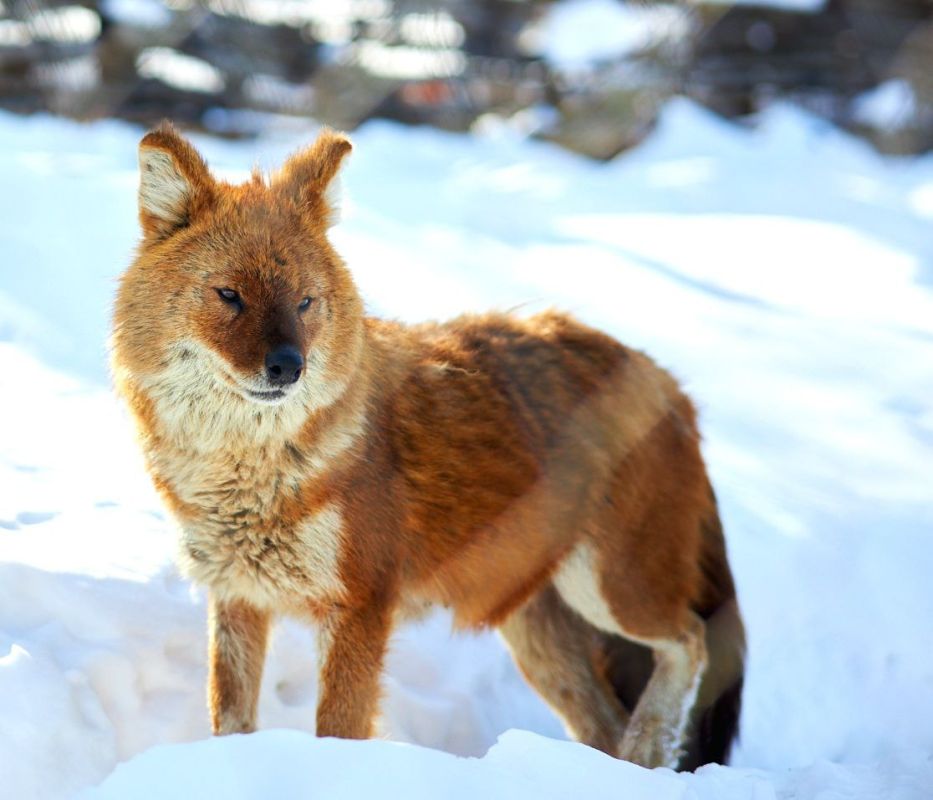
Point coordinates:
[[530, 474]]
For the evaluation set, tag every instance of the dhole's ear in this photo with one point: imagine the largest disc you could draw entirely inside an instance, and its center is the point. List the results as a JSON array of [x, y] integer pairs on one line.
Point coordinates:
[[308, 176], [174, 182]]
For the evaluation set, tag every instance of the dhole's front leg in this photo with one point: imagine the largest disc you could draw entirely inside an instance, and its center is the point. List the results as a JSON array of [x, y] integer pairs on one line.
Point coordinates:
[[352, 646], [238, 635]]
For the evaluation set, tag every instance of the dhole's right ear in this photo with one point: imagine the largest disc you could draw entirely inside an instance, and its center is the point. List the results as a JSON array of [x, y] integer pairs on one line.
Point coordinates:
[[174, 182]]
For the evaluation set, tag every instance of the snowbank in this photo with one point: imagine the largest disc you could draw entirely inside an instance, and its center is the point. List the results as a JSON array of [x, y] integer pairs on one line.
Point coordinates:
[[290, 764], [783, 272], [298, 765]]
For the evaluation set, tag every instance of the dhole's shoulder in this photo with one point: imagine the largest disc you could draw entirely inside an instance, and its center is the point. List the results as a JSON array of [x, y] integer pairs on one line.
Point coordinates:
[[551, 344], [500, 332], [545, 365], [549, 347]]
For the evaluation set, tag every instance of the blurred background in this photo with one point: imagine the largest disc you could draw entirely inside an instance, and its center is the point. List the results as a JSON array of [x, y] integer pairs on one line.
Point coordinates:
[[590, 75]]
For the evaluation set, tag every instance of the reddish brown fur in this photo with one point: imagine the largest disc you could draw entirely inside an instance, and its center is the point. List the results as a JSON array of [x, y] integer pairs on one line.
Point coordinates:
[[456, 463], [235, 677]]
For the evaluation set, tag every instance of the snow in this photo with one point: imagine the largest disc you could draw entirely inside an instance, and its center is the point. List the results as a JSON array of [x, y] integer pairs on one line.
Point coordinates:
[[783, 271], [521, 764], [890, 106], [138, 13], [799, 6], [575, 33]]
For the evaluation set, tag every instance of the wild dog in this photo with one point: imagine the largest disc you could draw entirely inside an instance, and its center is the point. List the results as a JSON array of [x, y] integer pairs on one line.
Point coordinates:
[[529, 474]]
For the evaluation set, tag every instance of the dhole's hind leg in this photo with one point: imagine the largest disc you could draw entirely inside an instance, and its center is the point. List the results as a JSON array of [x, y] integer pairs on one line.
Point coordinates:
[[655, 733], [555, 649]]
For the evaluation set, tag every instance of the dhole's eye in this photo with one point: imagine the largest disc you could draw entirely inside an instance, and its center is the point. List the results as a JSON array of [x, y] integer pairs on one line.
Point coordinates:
[[305, 304], [230, 297]]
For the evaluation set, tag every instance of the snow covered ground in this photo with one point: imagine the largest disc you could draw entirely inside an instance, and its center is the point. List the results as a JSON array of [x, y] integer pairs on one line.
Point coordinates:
[[785, 273]]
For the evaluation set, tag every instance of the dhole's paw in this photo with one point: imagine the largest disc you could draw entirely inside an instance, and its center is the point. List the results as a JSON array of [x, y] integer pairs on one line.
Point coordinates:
[[228, 726], [650, 745]]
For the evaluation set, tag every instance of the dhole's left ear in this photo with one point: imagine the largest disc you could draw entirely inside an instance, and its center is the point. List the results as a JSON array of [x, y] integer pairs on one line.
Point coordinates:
[[174, 182], [309, 176]]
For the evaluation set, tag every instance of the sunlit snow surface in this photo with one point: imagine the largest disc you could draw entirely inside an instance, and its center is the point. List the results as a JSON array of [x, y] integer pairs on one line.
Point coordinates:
[[783, 273]]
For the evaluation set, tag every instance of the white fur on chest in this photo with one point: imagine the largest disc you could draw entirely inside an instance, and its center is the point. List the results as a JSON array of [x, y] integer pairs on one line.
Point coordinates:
[[235, 540], [267, 566], [236, 469]]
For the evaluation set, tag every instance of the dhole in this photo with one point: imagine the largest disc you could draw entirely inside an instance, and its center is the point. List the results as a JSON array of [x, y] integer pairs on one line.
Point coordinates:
[[533, 475]]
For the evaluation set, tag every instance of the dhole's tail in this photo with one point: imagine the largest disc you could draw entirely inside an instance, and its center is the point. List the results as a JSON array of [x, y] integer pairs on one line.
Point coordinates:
[[714, 722]]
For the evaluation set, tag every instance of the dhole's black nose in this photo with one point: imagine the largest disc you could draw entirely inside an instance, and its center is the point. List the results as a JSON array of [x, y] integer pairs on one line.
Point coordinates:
[[284, 364]]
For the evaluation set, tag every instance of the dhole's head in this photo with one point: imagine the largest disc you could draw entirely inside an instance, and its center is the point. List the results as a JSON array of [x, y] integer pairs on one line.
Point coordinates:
[[236, 288]]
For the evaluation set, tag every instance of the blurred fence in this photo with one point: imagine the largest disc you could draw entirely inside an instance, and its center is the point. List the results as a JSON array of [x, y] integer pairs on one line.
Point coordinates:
[[234, 66]]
